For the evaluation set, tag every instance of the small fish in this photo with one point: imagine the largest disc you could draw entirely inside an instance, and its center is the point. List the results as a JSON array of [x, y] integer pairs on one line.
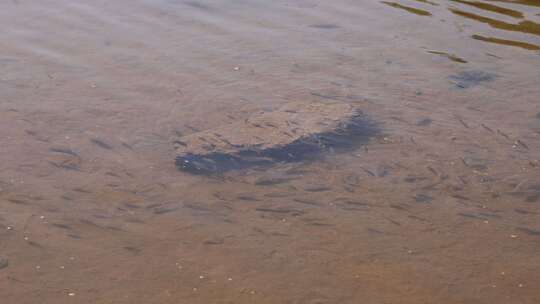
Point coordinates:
[[132, 249], [306, 202], [214, 241], [521, 211], [487, 128], [468, 79], [325, 26], [424, 122], [414, 217], [62, 226], [4, 263], [529, 231], [469, 215], [101, 144], [281, 210], [398, 207], [423, 198], [165, 210], [17, 201], [271, 182], [64, 151], [317, 189], [247, 198]]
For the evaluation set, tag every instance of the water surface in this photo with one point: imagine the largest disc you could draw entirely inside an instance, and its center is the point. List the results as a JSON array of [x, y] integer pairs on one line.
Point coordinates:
[[441, 205]]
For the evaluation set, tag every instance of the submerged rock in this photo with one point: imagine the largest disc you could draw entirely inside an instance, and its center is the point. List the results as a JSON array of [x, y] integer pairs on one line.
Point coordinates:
[[295, 132]]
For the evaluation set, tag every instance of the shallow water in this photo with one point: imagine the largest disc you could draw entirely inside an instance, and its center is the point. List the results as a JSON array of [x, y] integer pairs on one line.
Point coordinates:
[[441, 206]]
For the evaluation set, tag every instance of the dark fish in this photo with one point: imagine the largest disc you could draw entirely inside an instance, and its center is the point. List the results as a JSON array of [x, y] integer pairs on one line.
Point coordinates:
[[132, 249], [198, 5], [214, 241], [469, 215], [164, 210], [81, 190], [533, 198], [529, 231], [521, 211], [281, 210], [4, 263], [319, 224], [34, 244], [414, 217], [375, 231], [354, 203], [325, 26], [317, 189], [306, 202], [247, 198], [398, 207], [101, 144], [62, 226], [469, 79], [197, 207], [460, 197], [370, 173], [66, 165], [17, 201], [423, 198], [64, 151], [271, 182], [424, 122]]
